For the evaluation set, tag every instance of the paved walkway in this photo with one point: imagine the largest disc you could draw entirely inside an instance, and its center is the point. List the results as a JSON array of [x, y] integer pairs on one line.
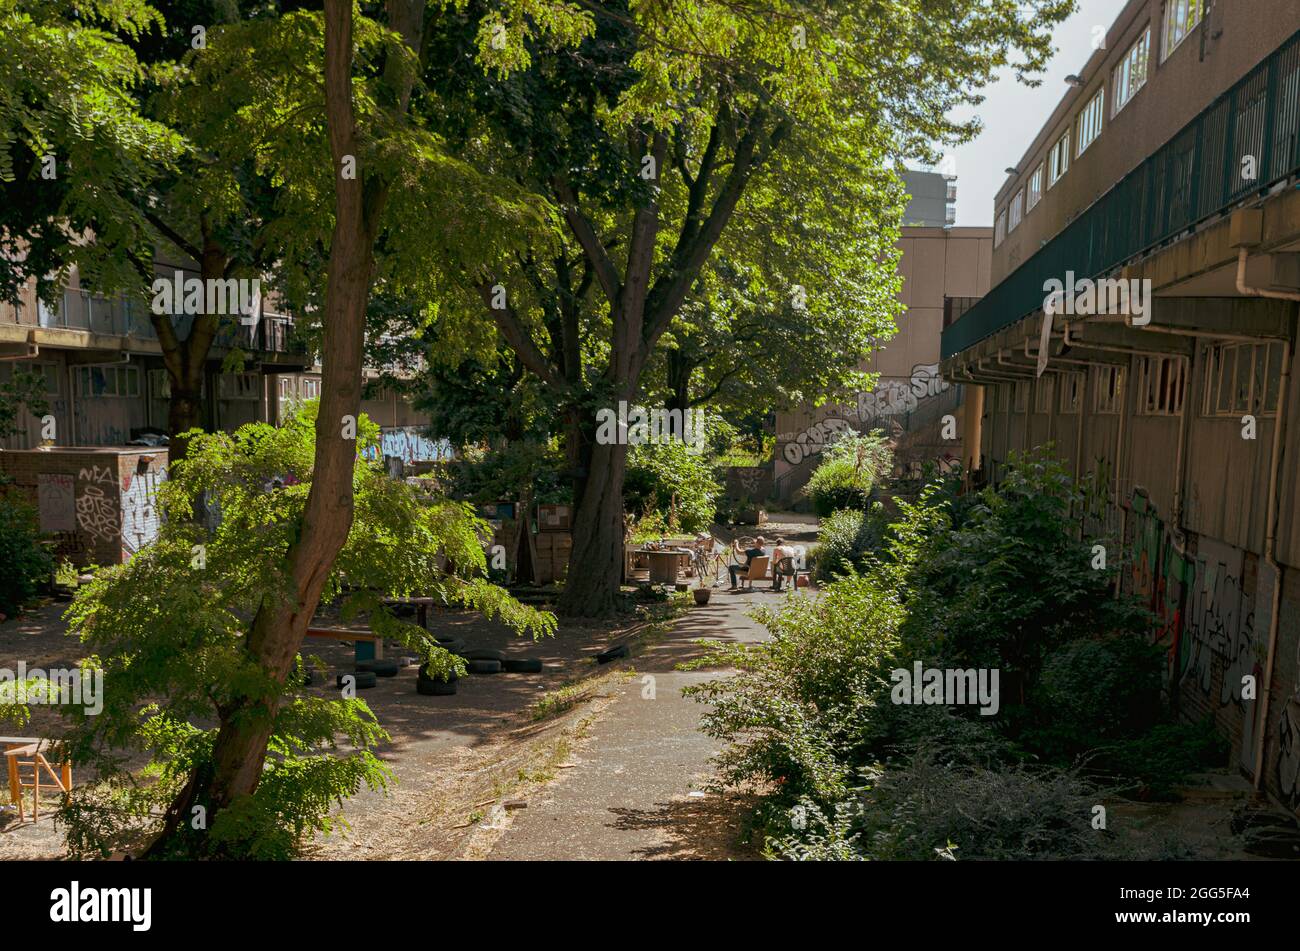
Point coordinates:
[[629, 794]]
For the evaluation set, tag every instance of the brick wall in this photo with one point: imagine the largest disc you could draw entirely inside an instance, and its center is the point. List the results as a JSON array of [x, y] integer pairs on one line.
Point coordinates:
[[99, 505]]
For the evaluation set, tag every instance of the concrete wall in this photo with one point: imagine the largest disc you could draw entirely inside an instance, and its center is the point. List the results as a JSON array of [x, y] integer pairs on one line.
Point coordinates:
[[1190, 526], [936, 263]]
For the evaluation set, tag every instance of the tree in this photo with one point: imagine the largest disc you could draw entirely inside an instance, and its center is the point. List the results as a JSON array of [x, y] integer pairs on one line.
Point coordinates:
[[673, 127], [403, 207], [73, 145], [169, 632]]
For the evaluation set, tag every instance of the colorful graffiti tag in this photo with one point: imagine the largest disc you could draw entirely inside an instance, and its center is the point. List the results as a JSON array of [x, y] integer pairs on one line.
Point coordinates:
[[1203, 614]]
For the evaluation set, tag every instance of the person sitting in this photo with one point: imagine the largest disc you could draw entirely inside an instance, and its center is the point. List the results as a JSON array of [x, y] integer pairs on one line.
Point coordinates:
[[749, 553], [781, 550]]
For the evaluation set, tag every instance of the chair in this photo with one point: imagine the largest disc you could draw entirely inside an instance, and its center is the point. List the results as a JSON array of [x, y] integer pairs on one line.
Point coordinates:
[[26, 751], [785, 568], [757, 571]]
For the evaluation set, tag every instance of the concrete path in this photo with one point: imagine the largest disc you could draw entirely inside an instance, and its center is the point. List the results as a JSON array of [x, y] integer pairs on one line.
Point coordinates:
[[629, 794]]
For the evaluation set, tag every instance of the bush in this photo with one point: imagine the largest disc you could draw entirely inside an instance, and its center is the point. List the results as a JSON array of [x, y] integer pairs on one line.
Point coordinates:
[[849, 469], [800, 708], [674, 480], [845, 538], [25, 564], [926, 808], [1093, 692]]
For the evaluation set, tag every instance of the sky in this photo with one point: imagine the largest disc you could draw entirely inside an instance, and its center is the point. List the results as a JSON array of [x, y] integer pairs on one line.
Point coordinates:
[[1013, 113]]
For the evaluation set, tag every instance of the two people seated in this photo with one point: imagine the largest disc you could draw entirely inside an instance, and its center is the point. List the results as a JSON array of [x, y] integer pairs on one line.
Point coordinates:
[[779, 551]]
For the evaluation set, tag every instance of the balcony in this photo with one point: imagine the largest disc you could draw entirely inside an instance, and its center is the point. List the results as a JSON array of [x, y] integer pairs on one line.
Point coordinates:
[[1193, 177]]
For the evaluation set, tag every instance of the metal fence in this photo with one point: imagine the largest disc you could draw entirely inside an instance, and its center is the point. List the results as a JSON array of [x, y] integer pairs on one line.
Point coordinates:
[[1195, 175]]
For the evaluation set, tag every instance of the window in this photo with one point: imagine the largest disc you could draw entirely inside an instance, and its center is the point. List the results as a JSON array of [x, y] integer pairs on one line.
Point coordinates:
[[1107, 390], [1035, 191], [1162, 383], [1071, 393], [1020, 396], [1044, 392], [1131, 73], [1090, 120], [94, 382], [1017, 210], [1058, 159], [1000, 228], [1242, 378], [1181, 17]]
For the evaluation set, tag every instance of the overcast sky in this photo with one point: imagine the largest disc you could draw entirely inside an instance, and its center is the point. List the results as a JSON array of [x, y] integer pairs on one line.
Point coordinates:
[[1013, 113]]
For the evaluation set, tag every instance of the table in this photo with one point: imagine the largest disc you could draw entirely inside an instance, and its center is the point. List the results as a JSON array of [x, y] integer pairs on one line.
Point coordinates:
[[664, 563]]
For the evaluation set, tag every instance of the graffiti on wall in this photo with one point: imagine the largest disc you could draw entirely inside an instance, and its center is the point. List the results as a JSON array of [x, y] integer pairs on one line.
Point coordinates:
[[1204, 617], [811, 441], [409, 444], [898, 397], [97, 513], [140, 519], [1288, 754]]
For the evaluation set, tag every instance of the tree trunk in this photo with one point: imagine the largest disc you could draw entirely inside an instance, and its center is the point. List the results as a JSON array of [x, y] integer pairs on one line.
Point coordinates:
[[279, 626], [184, 412], [595, 563]]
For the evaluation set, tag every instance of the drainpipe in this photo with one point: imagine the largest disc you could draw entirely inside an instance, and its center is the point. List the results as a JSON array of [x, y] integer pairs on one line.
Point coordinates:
[[1271, 518], [33, 350]]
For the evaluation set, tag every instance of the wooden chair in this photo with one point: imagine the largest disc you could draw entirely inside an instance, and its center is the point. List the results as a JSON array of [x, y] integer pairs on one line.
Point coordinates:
[[22, 752], [757, 571]]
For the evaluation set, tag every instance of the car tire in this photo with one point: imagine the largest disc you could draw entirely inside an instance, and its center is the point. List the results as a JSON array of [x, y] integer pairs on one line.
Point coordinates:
[[522, 665]]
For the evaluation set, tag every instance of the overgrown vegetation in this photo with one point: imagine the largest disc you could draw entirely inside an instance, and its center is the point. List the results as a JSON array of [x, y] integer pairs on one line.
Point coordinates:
[[170, 630], [674, 480], [25, 564], [850, 468], [999, 580]]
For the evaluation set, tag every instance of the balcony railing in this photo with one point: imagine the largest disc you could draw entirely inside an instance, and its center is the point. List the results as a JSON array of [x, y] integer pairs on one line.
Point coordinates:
[[1192, 177], [120, 317]]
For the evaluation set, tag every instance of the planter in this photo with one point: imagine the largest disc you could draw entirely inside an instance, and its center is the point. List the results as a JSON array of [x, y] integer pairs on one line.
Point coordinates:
[[702, 595], [751, 516]]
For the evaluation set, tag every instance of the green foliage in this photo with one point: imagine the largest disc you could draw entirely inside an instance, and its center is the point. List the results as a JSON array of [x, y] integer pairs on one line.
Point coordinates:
[[924, 807], [850, 468], [1094, 691], [509, 471], [169, 630], [25, 564], [803, 702], [846, 538], [1004, 578], [23, 389], [999, 580], [673, 479]]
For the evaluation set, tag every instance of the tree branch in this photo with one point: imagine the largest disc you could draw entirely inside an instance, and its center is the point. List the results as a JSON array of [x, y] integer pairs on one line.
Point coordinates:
[[601, 263]]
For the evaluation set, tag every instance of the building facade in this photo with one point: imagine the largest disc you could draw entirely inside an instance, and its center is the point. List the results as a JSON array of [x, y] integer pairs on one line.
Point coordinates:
[[944, 270], [1141, 323]]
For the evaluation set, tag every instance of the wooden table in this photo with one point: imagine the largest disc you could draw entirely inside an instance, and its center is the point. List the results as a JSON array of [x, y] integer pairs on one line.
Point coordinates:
[[664, 563]]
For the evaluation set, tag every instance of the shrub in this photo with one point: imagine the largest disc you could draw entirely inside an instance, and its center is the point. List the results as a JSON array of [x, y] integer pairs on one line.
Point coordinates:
[[849, 469], [845, 538], [800, 708], [924, 807], [672, 479], [25, 564], [1093, 692]]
